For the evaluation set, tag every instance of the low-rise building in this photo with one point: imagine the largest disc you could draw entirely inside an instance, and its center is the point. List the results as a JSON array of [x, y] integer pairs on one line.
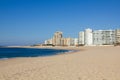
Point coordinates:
[[48, 42], [75, 41], [68, 42]]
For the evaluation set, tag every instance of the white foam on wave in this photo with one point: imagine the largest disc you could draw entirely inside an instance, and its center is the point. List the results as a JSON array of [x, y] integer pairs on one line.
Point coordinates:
[[3, 58]]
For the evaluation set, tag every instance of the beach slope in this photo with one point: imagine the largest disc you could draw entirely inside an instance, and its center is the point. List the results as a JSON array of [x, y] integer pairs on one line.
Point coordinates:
[[90, 63]]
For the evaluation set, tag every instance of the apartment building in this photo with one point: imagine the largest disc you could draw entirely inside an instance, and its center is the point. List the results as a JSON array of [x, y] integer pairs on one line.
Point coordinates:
[[57, 38], [81, 38], [88, 37], [117, 36], [103, 37]]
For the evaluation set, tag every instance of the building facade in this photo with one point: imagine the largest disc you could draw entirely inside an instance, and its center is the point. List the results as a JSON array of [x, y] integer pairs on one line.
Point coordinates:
[[108, 37], [57, 38], [103, 37], [67, 42], [117, 36], [75, 43], [48, 42], [88, 37], [97, 37], [81, 38]]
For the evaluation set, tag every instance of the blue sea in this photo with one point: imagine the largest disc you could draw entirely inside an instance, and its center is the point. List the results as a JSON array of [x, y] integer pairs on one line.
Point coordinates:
[[28, 52]]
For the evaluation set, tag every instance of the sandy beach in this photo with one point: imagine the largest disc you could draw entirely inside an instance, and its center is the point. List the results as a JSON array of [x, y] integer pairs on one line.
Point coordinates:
[[89, 63]]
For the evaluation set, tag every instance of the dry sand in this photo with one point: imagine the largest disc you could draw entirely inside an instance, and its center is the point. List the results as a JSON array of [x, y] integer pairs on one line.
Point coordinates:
[[90, 63]]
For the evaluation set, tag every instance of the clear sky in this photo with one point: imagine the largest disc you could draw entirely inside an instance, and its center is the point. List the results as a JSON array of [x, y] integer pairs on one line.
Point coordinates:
[[24, 22]]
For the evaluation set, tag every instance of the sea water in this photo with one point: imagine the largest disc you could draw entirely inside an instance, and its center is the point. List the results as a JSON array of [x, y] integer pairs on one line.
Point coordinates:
[[28, 52]]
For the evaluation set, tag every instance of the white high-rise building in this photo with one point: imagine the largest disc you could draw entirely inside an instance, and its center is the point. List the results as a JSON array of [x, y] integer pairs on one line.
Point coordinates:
[[117, 35], [81, 40], [88, 37], [108, 37], [103, 37], [97, 37]]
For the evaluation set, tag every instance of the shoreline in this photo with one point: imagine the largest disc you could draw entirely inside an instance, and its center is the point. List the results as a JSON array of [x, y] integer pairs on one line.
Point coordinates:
[[90, 63], [68, 51]]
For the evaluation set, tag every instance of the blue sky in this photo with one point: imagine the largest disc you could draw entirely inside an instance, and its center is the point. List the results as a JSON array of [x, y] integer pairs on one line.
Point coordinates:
[[26, 22]]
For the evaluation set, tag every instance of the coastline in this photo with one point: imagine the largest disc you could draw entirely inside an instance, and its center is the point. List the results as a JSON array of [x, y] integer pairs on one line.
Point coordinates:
[[88, 63], [64, 51]]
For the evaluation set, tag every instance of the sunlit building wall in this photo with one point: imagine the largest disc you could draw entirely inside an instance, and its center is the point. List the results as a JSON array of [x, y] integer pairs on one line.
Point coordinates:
[[117, 35], [57, 38], [81, 40], [88, 37]]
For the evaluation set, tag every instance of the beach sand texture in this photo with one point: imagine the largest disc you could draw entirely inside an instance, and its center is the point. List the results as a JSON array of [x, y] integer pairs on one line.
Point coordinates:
[[91, 63]]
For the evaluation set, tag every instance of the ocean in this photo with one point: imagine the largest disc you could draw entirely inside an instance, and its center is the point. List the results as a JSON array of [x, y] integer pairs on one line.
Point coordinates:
[[28, 52]]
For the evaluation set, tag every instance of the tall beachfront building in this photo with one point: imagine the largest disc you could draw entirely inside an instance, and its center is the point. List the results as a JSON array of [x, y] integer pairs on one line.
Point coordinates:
[[57, 38], [108, 37], [81, 40], [97, 37], [103, 37], [88, 37], [117, 35]]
